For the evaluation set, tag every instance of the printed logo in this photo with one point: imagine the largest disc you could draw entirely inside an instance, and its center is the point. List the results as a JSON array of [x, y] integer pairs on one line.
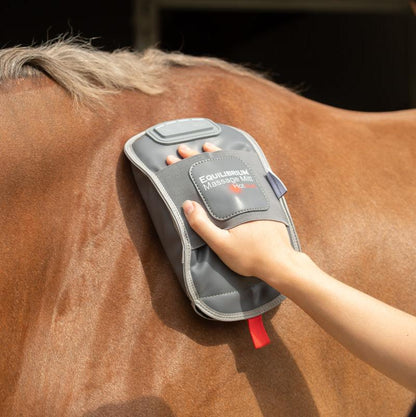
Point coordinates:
[[228, 187], [237, 179]]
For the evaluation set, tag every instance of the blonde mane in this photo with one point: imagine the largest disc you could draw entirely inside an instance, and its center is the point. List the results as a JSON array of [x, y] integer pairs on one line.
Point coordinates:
[[88, 74]]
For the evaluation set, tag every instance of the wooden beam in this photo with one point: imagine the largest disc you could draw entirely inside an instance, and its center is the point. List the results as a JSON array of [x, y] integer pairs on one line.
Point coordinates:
[[374, 6], [145, 24], [412, 61]]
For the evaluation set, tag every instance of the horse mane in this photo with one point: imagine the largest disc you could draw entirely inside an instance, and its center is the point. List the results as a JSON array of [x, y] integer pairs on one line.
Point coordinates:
[[89, 74]]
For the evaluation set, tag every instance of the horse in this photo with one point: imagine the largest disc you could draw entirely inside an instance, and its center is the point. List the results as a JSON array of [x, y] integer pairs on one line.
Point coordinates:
[[93, 320]]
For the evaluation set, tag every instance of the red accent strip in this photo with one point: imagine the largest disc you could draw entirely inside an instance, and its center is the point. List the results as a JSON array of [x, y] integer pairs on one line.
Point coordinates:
[[258, 332]]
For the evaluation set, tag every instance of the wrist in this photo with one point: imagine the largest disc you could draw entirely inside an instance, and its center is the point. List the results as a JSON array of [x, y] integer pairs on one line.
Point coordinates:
[[286, 276]]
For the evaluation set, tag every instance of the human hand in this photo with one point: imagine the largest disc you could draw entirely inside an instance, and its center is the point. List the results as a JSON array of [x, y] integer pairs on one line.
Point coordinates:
[[258, 248], [378, 334]]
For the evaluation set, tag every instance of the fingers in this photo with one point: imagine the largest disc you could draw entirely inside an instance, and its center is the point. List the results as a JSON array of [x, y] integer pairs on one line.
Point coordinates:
[[171, 159], [201, 224], [186, 152], [210, 147]]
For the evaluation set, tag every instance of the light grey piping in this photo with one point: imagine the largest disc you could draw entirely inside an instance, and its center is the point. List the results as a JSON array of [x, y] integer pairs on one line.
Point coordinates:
[[243, 315]]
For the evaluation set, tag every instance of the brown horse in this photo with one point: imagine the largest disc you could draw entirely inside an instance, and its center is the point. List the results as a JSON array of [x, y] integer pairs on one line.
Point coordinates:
[[93, 320]]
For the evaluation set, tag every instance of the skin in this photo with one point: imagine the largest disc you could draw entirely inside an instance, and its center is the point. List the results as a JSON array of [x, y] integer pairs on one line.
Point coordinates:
[[381, 335]]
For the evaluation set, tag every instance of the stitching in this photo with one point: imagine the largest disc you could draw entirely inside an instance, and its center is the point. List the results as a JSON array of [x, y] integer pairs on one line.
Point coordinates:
[[207, 203], [239, 315], [218, 295]]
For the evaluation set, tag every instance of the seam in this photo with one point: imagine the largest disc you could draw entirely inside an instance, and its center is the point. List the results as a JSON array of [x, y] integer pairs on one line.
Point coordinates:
[[218, 295], [243, 315]]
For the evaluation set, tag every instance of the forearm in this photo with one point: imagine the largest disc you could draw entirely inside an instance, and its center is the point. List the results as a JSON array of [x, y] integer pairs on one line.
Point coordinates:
[[381, 335], [377, 333]]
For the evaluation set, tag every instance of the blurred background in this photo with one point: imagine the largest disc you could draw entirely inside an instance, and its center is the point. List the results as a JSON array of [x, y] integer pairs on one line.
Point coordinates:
[[354, 54]]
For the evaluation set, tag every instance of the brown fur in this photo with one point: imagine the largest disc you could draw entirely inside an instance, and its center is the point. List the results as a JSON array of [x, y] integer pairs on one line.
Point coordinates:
[[93, 321]]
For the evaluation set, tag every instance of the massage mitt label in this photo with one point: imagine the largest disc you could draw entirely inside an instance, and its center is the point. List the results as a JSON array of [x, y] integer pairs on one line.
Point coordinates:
[[227, 186]]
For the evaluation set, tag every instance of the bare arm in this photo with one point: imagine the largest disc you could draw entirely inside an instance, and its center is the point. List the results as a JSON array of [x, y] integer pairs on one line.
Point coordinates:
[[377, 333]]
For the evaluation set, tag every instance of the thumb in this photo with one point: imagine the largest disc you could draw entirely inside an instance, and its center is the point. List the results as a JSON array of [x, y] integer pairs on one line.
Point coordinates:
[[201, 224]]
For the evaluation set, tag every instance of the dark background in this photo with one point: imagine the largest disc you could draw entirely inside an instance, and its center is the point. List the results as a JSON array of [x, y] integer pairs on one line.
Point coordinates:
[[349, 60]]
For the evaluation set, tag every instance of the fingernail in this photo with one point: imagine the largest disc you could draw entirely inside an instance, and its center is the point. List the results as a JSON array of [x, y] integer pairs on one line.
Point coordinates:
[[184, 148], [209, 145], [188, 207]]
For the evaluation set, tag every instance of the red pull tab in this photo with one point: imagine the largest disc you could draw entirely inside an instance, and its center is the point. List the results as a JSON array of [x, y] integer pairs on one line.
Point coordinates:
[[258, 332]]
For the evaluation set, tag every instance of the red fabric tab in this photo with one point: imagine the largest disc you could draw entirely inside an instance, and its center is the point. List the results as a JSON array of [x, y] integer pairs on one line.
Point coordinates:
[[258, 332]]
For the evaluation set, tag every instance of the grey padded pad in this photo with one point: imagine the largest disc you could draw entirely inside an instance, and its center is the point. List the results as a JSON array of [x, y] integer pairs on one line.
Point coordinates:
[[235, 185]]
